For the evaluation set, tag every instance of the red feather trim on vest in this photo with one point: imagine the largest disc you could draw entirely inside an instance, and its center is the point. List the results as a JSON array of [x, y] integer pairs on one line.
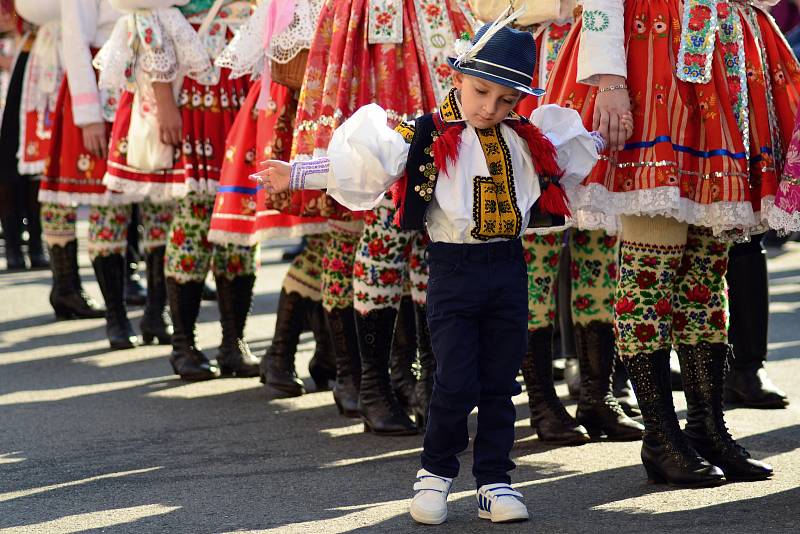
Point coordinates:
[[398, 192], [446, 147]]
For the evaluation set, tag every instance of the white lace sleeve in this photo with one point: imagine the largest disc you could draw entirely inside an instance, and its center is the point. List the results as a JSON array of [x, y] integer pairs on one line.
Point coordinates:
[[245, 53], [298, 36], [115, 57]]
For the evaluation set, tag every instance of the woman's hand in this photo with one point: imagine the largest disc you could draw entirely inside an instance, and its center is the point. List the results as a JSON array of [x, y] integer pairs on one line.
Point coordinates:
[[170, 123], [612, 113], [95, 139], [274, 176]]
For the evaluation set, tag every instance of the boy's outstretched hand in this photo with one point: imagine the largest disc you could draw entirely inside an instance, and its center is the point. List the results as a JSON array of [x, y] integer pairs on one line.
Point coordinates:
[[274, 176]]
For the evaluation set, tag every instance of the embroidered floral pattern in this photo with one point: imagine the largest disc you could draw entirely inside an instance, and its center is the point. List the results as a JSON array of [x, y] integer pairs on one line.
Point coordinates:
[[108, 227], [386, 259], [58, 223], [542, 255], [385, 22], [495, 210], [337, 269], [190, 254], [593, 272], [305, 273], [595, 20]]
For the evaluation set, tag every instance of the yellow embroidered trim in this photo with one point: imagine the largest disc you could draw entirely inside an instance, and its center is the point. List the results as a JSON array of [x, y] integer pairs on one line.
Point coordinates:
[[406, 129], [450, 109], [495, 211]]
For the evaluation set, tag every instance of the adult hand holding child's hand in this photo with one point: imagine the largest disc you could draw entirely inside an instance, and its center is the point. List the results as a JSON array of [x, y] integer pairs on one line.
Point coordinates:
[[612, 112], [274, 176]]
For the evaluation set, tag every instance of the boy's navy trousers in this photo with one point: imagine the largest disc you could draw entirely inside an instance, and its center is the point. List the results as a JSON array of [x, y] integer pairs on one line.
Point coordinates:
[[478, 319]]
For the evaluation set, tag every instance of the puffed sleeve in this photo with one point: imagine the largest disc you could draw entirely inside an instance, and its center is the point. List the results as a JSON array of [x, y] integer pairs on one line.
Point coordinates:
[[78, 28], [602, 44], [577, 148], [365, 158]]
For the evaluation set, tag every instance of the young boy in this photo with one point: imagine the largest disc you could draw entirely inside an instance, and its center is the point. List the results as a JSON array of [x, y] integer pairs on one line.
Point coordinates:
[[471, 173]]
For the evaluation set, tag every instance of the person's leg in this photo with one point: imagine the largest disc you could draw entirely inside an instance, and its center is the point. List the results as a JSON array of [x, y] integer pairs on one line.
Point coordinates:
[[419, 275], [593, 273], [11, 219], [701, 340], [108, 226], [379, 276], [135, 292], [67, 296], [748, 298], [548, 416], [651, 250], [337, 301], [156, 323], [235, 268], [187, 260], [36, 254]]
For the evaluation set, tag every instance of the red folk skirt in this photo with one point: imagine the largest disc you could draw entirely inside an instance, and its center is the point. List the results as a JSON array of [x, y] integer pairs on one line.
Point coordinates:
[[208, 113], [35, 137], [345, 72], [243, 211], [707, 154]]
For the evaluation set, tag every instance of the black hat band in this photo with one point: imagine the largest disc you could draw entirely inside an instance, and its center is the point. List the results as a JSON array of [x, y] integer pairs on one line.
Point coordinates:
[[496, 70]]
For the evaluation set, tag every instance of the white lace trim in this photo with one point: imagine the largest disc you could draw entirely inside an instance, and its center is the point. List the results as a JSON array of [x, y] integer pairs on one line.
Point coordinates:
[[245, 55], [27, 168], [782, 221], [277, 232], [66, 198], [597, 208], [159, 192]]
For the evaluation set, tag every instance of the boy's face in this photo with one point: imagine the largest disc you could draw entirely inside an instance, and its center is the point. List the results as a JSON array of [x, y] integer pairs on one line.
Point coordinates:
[[485, 104]]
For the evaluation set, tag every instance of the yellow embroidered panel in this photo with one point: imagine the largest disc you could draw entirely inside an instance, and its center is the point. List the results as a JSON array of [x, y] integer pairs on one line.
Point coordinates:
[[495, 211], [406, 129]]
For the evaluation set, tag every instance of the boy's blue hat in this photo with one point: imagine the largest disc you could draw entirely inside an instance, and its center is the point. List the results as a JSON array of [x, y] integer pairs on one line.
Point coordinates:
[[501, 55]]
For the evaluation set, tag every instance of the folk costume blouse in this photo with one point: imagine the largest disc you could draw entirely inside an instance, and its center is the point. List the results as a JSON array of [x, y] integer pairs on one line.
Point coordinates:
[[485, 195]]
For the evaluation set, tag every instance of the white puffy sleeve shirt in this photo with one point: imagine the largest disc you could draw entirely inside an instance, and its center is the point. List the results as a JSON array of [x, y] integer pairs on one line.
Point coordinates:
[[38, 12], [85, 24], [367, 157]]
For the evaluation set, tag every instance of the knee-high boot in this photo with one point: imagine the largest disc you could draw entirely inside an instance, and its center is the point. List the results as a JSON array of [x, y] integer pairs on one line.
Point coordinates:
[[703, 367], [322, 366], [598, 410], [36, 255], [67, 297], [12, 231], [234, 298], [427, 368], [184, 306], [156, 323], [110, 272], [278, 372], [548, 416], [667, 456], [404, 354], [342, 326], [377, 405]]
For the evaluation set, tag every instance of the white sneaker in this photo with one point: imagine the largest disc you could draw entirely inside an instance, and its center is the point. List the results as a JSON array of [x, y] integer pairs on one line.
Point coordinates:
[[500, 503], [429, 505]]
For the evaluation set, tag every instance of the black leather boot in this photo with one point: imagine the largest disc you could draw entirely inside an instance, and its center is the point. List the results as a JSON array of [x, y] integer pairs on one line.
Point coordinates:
[[598, 410], [234, 298], [404, 354], [747, 383], [623, 390], [135, 292], [12, 231], [156, 323], [342, 327], [184, 305], [278, 373], [667, 455], [322, 366], [36, 255], [67, 297], [704, 367], [548, 416], [110, 273], [377, 404], [427, 368]]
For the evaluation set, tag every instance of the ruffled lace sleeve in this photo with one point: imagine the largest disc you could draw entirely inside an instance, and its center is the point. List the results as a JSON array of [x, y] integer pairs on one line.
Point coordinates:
[[157, 45], [577, 148], [245, 53], [298, 36]]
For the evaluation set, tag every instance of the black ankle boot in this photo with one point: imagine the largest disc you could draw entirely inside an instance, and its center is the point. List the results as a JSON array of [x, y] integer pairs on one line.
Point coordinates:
[[377, 404], [110, 273], [403, 355], [747, 383], [342, 326], [156, 323], [184, 305], [623, 390], [427, 368], [548, 416], [598, 410], [667, 456], [277, 366], [234, 297], [67, 297], [322, 366], [704, 367]]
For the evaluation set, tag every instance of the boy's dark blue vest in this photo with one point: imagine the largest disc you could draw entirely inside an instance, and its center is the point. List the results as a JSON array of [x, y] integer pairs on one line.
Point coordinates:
[[415, 196]]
